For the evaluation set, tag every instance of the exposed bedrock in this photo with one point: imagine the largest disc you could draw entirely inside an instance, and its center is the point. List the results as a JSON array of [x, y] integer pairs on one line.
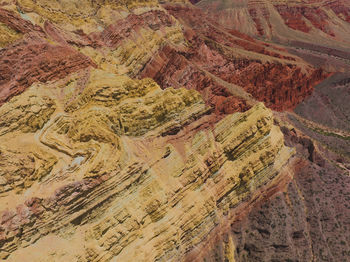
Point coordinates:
[[166, 185], [280, 83], [307, 214], [31, 58], [320, 21], [135, 131], [198, 55], [170, 68], [31, 61]]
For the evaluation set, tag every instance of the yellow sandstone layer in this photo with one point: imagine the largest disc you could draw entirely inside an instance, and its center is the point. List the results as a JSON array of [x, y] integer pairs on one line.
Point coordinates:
[[106, 168]]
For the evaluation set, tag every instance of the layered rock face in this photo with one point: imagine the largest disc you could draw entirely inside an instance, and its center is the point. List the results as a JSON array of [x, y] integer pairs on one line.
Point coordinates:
[[324, 21], [135, 131], [151, 42], [309, 213], [215, 52], [31, 58], [166, 184]]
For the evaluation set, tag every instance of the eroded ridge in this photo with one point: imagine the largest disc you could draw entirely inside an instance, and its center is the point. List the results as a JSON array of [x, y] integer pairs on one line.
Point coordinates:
[[157, 196]]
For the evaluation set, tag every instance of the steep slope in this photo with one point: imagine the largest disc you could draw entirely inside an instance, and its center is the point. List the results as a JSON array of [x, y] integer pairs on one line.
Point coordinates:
[[132, 131], [321, 20], [137, 204], [235, 58], [305, 220], [135, 43], [310, 27]]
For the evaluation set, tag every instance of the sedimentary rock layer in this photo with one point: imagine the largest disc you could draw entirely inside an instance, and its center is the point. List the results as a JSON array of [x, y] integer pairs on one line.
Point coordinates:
[[327, 21], [32, 58], [31, 61], [173, 41], [276, 78], [310, 212], [165, 186], [132, 131]]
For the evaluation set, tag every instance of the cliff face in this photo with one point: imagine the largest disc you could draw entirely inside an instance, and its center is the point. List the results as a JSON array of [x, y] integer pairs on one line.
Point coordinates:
[[310, 212], [151, 42], [165, 186], [135, 131], [267, 72]]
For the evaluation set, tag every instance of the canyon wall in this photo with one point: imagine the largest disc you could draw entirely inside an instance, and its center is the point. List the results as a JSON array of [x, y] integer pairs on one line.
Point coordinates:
[[165, 186], [153, 131], [320, 21]]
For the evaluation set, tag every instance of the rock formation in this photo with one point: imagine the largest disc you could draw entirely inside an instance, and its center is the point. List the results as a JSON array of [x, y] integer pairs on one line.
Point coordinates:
[[324, 21], [158, 153], [153, 131]]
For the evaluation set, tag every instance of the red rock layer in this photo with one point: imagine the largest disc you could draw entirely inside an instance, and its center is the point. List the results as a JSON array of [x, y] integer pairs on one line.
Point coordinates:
[[258, 12], [294, 18], [319, 18], [115, 33], [169, 68], [280, 86], [253, 13], [341, 8], [16, 23], [33, 59]]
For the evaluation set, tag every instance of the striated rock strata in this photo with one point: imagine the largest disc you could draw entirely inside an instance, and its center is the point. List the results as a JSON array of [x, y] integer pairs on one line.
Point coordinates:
[[306, 219], [310, 21], [133, 131], [166, 185], [267, 72], [170, 43]]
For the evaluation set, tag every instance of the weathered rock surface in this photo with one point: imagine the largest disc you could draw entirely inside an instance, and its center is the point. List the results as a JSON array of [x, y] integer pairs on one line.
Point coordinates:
[[132, 131], [320, 21], [31, 58], [172, 41], [156, 197], [35, 61], [275, 78], [310, 212]]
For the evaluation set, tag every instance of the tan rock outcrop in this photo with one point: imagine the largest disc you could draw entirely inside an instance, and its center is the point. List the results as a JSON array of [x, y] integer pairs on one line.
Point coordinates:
[[156, 197], [131, 131]]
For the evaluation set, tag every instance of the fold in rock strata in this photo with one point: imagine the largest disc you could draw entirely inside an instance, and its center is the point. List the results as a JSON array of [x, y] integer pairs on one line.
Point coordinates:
[[135, 131], [157, 197]]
